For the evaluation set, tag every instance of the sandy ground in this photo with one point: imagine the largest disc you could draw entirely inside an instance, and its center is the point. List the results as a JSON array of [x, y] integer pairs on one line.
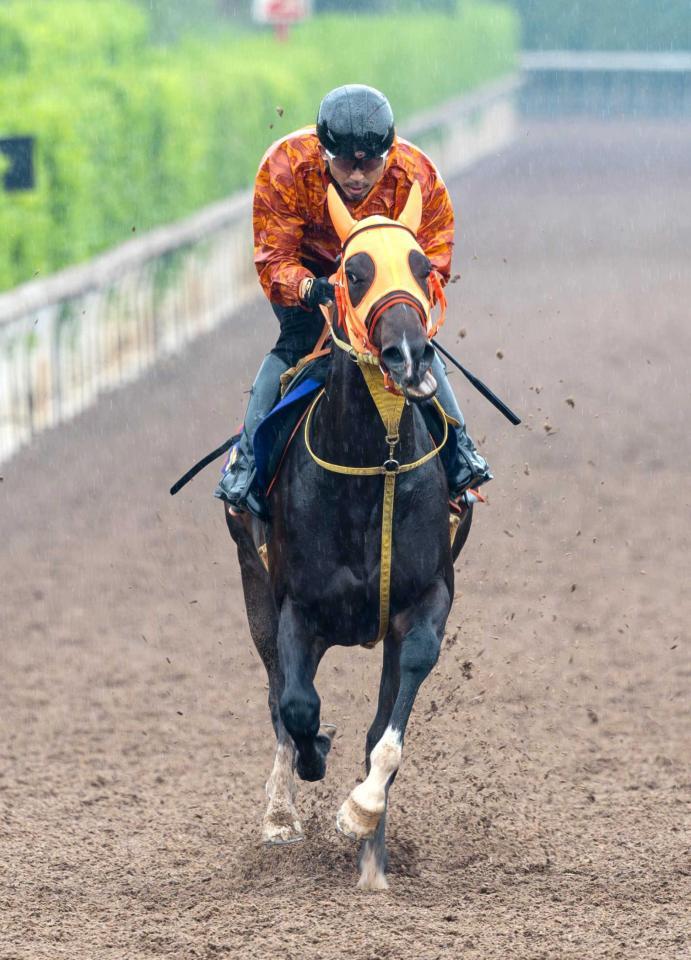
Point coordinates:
[[539, 812]]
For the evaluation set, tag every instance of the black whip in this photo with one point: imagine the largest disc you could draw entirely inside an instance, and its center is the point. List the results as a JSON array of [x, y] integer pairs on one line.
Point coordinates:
[[479, 385], [204, 462]]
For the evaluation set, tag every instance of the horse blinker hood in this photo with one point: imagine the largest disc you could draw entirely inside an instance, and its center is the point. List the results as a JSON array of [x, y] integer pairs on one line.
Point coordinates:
[[389, 244]]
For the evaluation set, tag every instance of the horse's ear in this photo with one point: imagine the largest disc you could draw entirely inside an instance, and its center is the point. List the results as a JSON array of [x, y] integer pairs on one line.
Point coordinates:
[[411, 216], [341, 219]]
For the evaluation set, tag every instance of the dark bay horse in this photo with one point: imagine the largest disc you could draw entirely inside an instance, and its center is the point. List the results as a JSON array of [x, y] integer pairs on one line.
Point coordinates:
[[324, 540]]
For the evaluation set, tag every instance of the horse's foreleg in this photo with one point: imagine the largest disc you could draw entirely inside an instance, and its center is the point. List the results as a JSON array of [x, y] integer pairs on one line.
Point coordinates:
[[373, 853], [281, 823], [359, 816], [299, 655]]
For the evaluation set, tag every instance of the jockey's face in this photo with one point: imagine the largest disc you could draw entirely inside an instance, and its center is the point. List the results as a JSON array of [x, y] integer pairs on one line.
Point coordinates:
[[355, 175]]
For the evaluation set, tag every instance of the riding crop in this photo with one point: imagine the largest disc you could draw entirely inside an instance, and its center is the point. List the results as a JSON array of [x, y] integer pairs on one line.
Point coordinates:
[[204, 462], [479, 385]]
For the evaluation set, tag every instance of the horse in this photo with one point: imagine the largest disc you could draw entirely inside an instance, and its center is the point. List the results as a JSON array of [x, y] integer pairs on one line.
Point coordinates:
[[347, 562]]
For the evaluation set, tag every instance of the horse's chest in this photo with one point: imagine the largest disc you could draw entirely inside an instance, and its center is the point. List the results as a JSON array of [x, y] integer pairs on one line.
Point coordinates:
[[338, 571], [332, 543]]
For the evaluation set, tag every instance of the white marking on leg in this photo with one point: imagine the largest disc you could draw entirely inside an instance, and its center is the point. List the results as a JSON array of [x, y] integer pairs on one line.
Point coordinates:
[[281, 823], [360, 814], [385, 759], [371, 874]]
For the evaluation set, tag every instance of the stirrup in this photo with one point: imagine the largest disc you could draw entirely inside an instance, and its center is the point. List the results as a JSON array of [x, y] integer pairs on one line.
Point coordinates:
[[245, 500], [459, 507], [459, 504], [251, 503]]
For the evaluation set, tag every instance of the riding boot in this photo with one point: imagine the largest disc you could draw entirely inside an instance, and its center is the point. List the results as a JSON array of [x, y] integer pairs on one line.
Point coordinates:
[[237, 486], [465, 467]]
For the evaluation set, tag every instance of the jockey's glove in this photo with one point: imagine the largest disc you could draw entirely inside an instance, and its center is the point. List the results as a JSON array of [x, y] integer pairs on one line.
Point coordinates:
[[315, 291]]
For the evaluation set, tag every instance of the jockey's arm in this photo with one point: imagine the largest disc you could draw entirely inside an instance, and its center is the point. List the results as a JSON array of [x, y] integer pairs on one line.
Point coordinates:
[[278, 231], [436, 233]]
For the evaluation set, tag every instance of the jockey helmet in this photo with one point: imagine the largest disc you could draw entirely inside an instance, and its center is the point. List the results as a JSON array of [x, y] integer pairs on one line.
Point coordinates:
[[355, 119]]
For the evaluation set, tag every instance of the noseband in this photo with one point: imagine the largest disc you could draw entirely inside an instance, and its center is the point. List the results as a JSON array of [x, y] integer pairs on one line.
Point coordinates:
[[390, 300]]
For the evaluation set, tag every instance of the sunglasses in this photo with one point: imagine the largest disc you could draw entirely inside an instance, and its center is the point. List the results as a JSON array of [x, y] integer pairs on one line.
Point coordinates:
[[346, 165]]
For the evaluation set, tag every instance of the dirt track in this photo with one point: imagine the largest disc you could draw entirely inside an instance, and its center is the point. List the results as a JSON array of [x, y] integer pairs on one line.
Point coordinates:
[[539, 812]]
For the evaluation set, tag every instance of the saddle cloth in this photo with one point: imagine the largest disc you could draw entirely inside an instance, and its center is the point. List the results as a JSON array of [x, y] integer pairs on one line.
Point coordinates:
[[277, 428]]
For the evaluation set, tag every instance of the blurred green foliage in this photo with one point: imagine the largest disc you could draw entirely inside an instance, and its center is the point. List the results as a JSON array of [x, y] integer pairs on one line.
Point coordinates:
[[606, 24], [42, 36], [171, 19], [130, 135]]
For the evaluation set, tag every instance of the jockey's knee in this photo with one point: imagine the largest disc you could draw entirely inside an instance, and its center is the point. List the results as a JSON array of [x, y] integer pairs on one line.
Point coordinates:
[[420, 651], [300, 713]]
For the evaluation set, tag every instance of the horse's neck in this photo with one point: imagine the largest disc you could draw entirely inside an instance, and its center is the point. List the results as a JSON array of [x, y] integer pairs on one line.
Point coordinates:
[[349, 429]]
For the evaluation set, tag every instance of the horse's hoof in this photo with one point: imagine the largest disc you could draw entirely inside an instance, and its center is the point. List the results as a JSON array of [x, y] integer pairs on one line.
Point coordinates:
[[328, 730], [373, 880], [372, 869], [313, 767], [356, 823], [279, 833], [281, 841]]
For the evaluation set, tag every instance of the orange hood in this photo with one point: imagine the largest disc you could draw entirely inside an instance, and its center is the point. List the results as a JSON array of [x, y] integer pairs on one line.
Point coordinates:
[[389, 243]]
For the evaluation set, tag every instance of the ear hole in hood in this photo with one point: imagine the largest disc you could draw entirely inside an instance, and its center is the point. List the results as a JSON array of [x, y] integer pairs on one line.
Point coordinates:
[[420, 267]]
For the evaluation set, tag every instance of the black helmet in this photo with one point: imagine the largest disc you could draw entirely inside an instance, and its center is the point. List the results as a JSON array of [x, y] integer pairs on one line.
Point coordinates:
[[355, 118]]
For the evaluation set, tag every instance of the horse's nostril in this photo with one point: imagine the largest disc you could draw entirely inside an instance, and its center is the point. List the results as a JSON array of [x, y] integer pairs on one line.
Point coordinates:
[[392, 357], [427, 357]]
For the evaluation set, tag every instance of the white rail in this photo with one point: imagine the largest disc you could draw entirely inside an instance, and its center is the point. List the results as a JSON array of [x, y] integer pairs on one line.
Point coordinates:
[[66, 339], [606, 83], [608, 61]]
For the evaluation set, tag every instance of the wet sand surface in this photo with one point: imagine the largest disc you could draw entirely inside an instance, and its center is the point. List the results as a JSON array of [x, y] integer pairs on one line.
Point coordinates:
[[539, 811]]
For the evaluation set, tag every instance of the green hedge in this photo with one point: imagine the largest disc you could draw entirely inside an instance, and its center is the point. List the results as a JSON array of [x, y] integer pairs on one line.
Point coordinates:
[[52, 36], [130, 136], [606, 24]]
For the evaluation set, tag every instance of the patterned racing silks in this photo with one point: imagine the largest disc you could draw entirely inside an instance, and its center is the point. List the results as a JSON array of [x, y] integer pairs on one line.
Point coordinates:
[[292, 226]]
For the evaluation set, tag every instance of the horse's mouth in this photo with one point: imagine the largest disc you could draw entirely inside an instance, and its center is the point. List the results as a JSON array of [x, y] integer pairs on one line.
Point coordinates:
[[417, 393]]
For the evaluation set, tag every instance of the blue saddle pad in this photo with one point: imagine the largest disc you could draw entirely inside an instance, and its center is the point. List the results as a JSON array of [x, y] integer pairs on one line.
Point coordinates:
[[275, 430]]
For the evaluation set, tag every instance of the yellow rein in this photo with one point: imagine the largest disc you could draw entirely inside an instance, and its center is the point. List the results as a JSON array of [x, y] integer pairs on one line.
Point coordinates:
[[390, 407]]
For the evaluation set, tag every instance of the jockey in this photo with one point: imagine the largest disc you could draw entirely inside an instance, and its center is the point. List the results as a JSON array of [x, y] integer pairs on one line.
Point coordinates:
[[354, 146]]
